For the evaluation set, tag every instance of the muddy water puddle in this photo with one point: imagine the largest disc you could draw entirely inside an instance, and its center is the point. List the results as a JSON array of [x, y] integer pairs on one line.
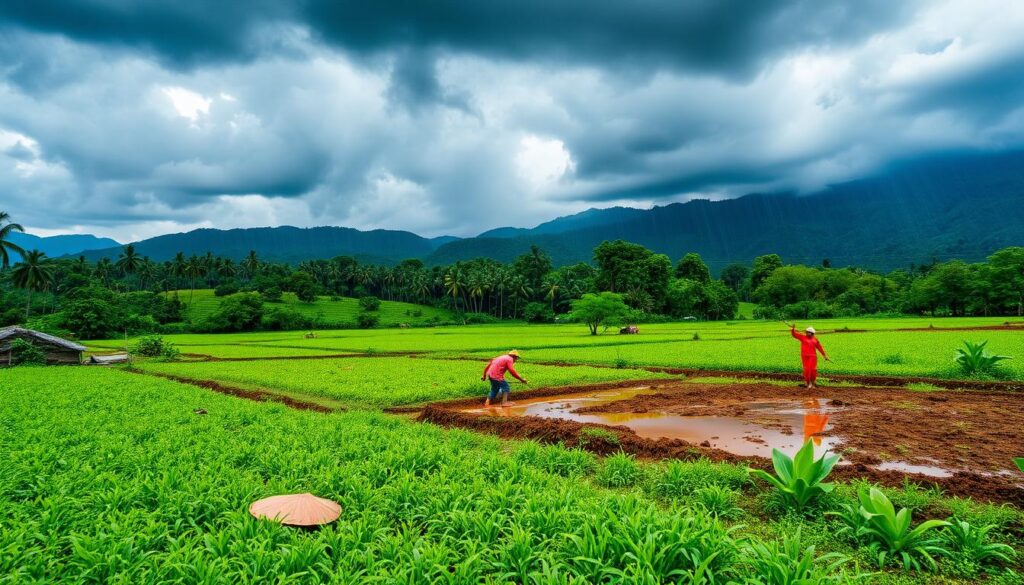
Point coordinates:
[[765, 424]]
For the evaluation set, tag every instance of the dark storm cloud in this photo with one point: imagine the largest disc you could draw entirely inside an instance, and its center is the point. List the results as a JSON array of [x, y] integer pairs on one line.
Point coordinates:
[[146, 116]]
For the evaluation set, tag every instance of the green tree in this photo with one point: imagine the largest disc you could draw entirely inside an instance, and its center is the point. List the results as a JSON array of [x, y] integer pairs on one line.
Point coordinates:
[[33, 274], [763, 268], [1005, 279], [692, 267], [598, 309], [533, 266], [129, 261], [7, 247], [734, 275]]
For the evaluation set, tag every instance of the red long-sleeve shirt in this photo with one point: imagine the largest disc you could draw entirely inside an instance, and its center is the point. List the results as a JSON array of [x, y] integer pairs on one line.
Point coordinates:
[[808, 344], [496, 368]]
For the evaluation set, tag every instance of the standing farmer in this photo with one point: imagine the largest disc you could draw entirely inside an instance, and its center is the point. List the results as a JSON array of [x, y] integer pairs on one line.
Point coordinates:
[[809, 346], [495, 372]]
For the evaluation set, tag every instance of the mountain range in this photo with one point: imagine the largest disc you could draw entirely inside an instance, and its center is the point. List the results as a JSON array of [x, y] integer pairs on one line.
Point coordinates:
[[955, 206], [56, 246]]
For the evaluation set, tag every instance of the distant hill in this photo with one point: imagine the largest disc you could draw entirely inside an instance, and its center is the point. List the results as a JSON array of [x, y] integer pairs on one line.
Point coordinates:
[[287, 244], [953, 207], [56, 246]]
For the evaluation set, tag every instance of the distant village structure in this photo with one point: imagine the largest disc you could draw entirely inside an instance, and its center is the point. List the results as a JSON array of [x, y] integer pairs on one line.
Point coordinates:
[[58, 351]]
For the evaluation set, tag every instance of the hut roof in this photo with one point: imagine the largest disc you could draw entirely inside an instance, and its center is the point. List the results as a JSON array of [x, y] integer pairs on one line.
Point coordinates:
[[116, 358], [8, 332]]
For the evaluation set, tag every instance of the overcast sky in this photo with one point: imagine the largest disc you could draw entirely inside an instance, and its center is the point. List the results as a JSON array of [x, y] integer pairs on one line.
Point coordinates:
[[132, 118]]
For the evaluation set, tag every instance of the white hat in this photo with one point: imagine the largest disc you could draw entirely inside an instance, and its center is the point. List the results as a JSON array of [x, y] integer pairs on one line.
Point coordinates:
[[810, 330]]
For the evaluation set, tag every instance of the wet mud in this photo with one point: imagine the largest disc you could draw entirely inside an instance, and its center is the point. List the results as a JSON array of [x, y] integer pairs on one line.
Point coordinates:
[[960, 441]]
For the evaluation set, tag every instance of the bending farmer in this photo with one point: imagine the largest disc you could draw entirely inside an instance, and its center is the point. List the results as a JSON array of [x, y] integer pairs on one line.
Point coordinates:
[[809, 346], [495, 372]]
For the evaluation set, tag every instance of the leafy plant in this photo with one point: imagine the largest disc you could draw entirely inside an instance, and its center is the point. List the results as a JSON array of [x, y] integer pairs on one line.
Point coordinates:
[[719, 501], [1020, 463], [800, 479], [24, 353], [974, 359], [972, 547], [890, 534], [619, 470], [367, 320], [683, 478], [793, 564]]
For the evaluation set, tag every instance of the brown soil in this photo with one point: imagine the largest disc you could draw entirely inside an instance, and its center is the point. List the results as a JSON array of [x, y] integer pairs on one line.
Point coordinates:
[[980, 431], [255, 395]]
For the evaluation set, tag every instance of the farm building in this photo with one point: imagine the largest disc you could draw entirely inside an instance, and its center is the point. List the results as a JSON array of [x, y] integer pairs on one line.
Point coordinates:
[[57, 350]]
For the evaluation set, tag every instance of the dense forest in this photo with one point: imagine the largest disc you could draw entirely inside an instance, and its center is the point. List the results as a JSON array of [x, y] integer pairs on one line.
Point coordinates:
[[133, 294]]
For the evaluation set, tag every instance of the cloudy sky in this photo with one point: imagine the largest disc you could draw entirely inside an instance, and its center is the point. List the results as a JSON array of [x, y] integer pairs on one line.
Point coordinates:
[[132, 118]]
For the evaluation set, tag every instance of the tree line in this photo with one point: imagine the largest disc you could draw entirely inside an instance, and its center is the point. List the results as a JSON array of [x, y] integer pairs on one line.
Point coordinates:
[[135, 294]]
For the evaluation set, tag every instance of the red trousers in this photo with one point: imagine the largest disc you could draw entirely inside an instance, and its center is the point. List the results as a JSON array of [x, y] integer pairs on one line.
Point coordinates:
[[810, 368]]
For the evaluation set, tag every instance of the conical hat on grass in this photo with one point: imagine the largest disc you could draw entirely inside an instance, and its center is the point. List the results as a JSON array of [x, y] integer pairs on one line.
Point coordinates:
[[296, 509]]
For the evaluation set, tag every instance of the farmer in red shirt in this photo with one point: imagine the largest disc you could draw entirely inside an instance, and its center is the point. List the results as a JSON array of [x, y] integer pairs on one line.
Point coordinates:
[[495, 372], [809, 346]]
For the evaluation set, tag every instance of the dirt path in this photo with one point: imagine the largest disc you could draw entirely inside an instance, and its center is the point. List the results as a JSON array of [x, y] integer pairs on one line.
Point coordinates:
[[972, 435], [254, 395]]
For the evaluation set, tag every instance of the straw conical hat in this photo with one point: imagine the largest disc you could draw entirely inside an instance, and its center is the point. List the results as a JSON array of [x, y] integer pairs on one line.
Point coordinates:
[[296, 509]]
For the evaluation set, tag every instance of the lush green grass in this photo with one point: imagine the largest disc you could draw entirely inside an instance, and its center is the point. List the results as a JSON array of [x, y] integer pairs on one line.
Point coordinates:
[[382, 382], [110, 477], [858, 346], [202, 302]]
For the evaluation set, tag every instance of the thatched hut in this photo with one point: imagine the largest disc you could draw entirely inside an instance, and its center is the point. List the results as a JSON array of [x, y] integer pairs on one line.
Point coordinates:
[[58, 351]]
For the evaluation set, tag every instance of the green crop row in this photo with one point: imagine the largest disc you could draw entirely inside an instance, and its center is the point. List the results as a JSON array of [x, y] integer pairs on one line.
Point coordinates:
[[110, 477], [382, 382]]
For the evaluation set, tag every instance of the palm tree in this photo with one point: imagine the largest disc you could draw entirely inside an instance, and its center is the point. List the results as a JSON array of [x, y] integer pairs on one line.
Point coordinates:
[[251, 264], [552, 287], [179, 267], [146, 270], [33, 273], [6, 246], [103, 269], [194, 268], [455, 284], [129, 261]]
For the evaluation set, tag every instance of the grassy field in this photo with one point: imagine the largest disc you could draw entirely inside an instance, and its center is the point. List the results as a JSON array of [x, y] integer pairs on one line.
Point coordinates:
[[899, 347], [202, 302], [111, 477], [379, 382]]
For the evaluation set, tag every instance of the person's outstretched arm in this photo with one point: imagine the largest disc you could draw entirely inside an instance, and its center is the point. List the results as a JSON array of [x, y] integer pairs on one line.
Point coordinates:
[[487, 367], [515, 374], [795, 334], [817, 346]]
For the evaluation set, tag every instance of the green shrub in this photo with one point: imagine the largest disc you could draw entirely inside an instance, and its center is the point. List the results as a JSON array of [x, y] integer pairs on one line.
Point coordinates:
[[24, 353], [971, 548], [241, 312], [719, 501], [156, 346], [889, 533], [793, 564], [555, 459], [683, 478], [272, 295], [367, 320], [285, 319], [369, 303], [800, 479], [974, 360], [538, 313], [226, 289], [619, 470]]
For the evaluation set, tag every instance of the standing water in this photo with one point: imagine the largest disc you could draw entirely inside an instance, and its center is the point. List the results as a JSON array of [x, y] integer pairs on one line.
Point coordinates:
[[766, 425]]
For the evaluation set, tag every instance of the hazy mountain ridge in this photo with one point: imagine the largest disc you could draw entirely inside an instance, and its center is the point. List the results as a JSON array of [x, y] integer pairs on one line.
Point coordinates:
[[964, 207], [55, 246]]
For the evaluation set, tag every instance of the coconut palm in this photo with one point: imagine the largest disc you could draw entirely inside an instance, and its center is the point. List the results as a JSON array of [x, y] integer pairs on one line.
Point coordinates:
[[33, 273], [552, 288], [129, 261], [251, 264], [179, 267], [194, 268], [103, 269], [7, 227]]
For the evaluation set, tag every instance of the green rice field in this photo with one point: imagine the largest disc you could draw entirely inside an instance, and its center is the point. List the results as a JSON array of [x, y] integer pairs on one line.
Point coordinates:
[[116, 476]]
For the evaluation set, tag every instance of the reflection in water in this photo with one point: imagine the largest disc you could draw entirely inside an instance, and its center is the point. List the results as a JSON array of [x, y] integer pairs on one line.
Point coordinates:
[[780, 424]]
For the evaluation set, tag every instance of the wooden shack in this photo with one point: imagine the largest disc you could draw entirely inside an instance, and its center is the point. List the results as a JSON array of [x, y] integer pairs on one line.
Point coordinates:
[[58, 351]]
